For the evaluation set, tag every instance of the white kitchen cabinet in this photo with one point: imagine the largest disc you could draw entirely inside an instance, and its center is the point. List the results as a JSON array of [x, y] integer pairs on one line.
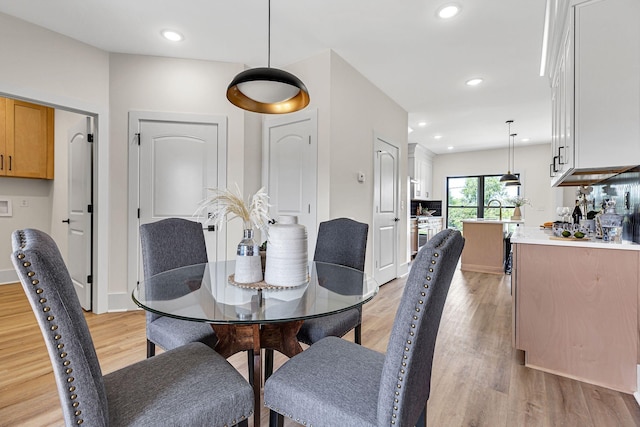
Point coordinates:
[[595, 90], [420, 170]]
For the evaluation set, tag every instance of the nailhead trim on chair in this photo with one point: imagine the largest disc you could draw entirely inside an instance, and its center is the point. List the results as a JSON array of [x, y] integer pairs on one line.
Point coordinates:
[[407, 348], [56, 336]]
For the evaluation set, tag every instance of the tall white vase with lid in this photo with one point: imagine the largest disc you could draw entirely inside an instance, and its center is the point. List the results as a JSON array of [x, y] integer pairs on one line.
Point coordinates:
[[287, 253]]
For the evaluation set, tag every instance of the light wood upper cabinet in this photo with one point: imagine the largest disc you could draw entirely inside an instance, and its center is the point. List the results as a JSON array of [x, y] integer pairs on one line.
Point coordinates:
[[26, 139]]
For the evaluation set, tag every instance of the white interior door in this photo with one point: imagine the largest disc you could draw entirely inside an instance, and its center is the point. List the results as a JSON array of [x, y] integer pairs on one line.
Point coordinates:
[[80, 210], [290, 170], [385, 214], [179, 158]]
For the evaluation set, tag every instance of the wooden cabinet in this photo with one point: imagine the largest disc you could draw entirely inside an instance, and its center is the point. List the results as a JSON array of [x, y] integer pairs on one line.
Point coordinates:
[[575, 312], [595, 88], [26, 140], [420, 170]]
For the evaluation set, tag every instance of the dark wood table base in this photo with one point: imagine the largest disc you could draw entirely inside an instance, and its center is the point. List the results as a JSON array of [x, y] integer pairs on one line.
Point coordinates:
[[234, 338]]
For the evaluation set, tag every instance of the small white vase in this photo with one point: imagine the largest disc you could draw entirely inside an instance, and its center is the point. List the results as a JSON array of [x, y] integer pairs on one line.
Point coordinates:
[[248, 263]]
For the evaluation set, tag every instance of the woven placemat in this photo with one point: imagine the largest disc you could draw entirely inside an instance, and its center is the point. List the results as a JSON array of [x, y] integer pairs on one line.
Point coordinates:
[[261, 284]]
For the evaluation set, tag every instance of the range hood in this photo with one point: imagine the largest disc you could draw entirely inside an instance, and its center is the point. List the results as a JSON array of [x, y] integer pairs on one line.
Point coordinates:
[[577, 177]]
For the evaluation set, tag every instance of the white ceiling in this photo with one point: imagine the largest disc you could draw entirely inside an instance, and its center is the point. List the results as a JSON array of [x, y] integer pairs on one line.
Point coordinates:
[[417, 59]]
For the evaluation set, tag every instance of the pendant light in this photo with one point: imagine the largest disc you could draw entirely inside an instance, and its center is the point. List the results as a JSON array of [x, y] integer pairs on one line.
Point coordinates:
[[513, 162], [509, 177], [268, 90]]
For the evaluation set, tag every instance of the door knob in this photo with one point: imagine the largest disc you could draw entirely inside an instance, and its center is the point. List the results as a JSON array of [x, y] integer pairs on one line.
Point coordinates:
[[396, 219], [68, 221]]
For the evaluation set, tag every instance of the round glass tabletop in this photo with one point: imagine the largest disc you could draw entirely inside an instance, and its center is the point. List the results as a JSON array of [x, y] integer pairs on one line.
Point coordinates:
[[207, 293]]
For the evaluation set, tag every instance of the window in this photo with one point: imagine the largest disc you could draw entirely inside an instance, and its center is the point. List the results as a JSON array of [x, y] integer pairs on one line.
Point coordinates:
[[465, 193]]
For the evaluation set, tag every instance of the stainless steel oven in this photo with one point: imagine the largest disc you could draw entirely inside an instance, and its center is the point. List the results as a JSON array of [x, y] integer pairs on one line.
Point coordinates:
[[423, 231]]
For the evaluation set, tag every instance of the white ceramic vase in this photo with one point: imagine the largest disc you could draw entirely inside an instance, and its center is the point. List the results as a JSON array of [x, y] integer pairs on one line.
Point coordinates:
[[287, 259]]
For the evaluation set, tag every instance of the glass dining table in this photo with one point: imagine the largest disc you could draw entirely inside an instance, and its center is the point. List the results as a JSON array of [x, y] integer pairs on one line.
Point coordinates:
[[250, 317]]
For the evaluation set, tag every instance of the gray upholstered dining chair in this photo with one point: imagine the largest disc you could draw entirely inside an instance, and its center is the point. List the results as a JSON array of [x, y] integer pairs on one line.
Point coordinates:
[[167, 244], [191, 385], [340, 241], [336, 382]]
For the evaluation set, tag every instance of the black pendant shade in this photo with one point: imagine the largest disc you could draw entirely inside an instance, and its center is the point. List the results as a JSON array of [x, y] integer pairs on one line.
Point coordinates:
[[509, 178], [516, 182], [268, 90]]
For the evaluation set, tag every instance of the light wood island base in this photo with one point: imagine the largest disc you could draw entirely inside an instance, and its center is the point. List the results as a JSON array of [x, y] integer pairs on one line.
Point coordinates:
[[484, 247], [575, 312]]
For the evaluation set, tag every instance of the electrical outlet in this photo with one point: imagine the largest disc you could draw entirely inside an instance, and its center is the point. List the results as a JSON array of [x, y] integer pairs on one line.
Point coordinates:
[[24, 203]]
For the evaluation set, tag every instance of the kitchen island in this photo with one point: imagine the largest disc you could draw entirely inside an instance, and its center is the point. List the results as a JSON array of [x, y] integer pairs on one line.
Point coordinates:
[[484, 248], [575, 307]]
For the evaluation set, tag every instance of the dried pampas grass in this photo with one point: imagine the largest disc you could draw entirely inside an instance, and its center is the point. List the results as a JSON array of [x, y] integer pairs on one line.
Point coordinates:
[[223, 203]]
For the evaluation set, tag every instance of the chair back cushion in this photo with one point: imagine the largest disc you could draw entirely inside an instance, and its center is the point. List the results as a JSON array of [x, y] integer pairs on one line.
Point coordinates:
[[49, 289], [167, 244], [171, 243], [342, 241], [406, 375]]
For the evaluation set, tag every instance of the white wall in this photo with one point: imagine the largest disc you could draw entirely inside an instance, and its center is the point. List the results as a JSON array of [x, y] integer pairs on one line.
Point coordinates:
[[42, 66], [147, 83], [531, 162], [359, 110], [36, 194], [350, 110]]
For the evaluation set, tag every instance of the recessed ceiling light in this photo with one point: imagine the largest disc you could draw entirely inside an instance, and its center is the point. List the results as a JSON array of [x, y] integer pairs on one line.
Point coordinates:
[[437, 136], [410, 129], [450, 147], [525, 140], [171, 35], [422, 124], [448, 11], [474, 82]]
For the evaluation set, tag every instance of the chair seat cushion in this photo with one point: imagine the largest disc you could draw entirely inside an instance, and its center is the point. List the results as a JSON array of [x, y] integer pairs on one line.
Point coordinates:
[[156, 391], [170, 333], [304, 388], [335, 325]]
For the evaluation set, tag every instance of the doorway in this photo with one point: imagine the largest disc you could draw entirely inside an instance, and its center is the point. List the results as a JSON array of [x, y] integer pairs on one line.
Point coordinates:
[[79, 219], [173, 160], [289, 169], [385, 210]]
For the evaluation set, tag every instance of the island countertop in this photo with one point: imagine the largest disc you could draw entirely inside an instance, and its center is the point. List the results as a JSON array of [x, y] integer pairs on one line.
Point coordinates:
[[538, 236], [493, 221]]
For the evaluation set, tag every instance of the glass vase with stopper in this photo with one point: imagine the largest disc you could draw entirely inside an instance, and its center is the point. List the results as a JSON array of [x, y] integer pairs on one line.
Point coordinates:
[[248, 261]]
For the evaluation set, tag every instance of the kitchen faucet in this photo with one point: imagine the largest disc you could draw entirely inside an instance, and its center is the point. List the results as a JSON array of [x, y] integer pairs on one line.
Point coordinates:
[[499, 206]]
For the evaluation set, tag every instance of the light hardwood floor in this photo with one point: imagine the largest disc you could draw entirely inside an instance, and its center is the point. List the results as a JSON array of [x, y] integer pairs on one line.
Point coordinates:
[[477, 380]]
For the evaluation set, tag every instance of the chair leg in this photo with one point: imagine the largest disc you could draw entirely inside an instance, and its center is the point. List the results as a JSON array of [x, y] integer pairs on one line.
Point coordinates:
[[250, 363], [268, 363], [151, 349], [358, 334], [276, 419], [422, 420]]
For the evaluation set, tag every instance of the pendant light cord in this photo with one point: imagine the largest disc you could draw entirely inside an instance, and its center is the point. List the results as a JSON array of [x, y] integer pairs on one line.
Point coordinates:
[[508, 146], [269, 37], [513, 152]]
